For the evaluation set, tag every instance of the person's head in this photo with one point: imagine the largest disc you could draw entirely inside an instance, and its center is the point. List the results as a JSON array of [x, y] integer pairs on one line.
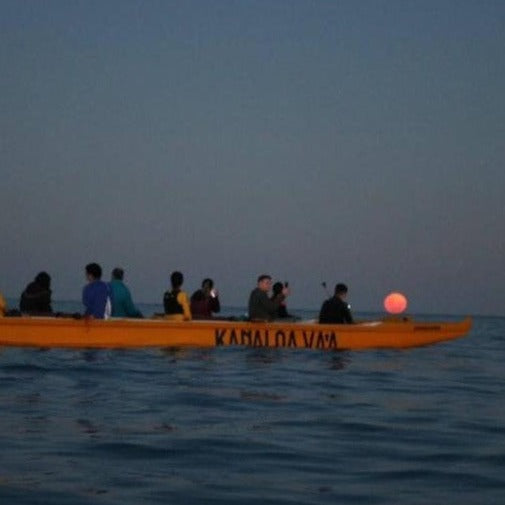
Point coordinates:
[[93, 271], [264, 282], [277, 288], [341, 290], [176, 279], [43, 279], [118, 274], [207, 284]]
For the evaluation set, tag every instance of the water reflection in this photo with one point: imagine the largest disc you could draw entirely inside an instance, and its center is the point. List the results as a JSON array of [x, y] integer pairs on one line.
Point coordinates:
[[339, 360]]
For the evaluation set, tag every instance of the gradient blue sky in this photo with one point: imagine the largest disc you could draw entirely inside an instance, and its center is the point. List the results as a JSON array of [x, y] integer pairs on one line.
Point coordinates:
[[347, 141]]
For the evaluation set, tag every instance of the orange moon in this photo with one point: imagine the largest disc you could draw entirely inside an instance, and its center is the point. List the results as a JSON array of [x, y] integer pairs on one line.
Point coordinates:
[[395, 303]]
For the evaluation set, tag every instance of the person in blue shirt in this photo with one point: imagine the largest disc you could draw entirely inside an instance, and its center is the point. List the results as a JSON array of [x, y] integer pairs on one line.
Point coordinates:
[[95, 295], [121, 298]]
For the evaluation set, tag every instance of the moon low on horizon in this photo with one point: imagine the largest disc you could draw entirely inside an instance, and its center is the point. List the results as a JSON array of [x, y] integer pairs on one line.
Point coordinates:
[[314, 141]]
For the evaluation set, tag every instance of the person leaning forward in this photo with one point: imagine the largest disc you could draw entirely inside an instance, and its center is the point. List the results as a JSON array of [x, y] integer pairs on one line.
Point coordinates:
[[36, 298], [261, 307], [336, 310]]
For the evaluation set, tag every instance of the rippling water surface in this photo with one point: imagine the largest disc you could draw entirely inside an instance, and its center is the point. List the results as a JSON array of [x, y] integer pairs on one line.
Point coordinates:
[[240, 426]]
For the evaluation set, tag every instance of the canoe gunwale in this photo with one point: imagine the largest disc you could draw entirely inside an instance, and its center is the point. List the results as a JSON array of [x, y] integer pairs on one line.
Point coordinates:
[[129, 333]]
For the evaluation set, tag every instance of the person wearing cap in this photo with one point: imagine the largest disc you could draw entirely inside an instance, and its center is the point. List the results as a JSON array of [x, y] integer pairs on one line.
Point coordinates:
[[36, 298], [336, 310], [121, 299], [175, 301]]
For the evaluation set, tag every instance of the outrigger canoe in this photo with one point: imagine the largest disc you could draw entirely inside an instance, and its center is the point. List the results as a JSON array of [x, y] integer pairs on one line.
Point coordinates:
[[128, 333]]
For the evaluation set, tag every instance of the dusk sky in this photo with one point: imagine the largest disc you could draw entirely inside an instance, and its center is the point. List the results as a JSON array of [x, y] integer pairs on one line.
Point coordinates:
[[353, 141]]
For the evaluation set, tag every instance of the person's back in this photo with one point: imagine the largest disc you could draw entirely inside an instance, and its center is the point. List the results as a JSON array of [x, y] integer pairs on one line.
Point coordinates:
[[175, 301], [36, 298], [282, 311], [95, 295], [121, 301], [335, 310], [205, 301]]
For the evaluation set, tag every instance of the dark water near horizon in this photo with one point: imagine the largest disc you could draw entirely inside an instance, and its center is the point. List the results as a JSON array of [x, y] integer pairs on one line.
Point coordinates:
[[243, 426]]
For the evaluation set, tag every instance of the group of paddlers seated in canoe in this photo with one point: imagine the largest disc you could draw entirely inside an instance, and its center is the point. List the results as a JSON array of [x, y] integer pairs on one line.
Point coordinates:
[[102, 300]]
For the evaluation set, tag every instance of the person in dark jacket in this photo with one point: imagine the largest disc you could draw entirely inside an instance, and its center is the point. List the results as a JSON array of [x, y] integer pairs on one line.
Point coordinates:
[[261, 307], [36, 298], [336, 310], [205, 301], [282, 311]]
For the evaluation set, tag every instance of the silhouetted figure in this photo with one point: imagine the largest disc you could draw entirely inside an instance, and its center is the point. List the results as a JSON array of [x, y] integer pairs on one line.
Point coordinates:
[[175, 301], [282, 311], [205, 301], [336, 310], [36, 298]]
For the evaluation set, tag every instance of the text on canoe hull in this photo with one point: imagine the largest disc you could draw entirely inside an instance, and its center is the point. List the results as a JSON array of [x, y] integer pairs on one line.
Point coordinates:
[[278, 338]]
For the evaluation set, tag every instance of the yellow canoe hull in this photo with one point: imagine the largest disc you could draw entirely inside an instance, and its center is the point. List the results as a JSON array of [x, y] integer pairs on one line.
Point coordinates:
[[128, 333]]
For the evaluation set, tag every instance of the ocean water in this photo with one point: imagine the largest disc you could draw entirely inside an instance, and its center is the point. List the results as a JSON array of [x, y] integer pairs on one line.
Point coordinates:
[[263, 426]]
